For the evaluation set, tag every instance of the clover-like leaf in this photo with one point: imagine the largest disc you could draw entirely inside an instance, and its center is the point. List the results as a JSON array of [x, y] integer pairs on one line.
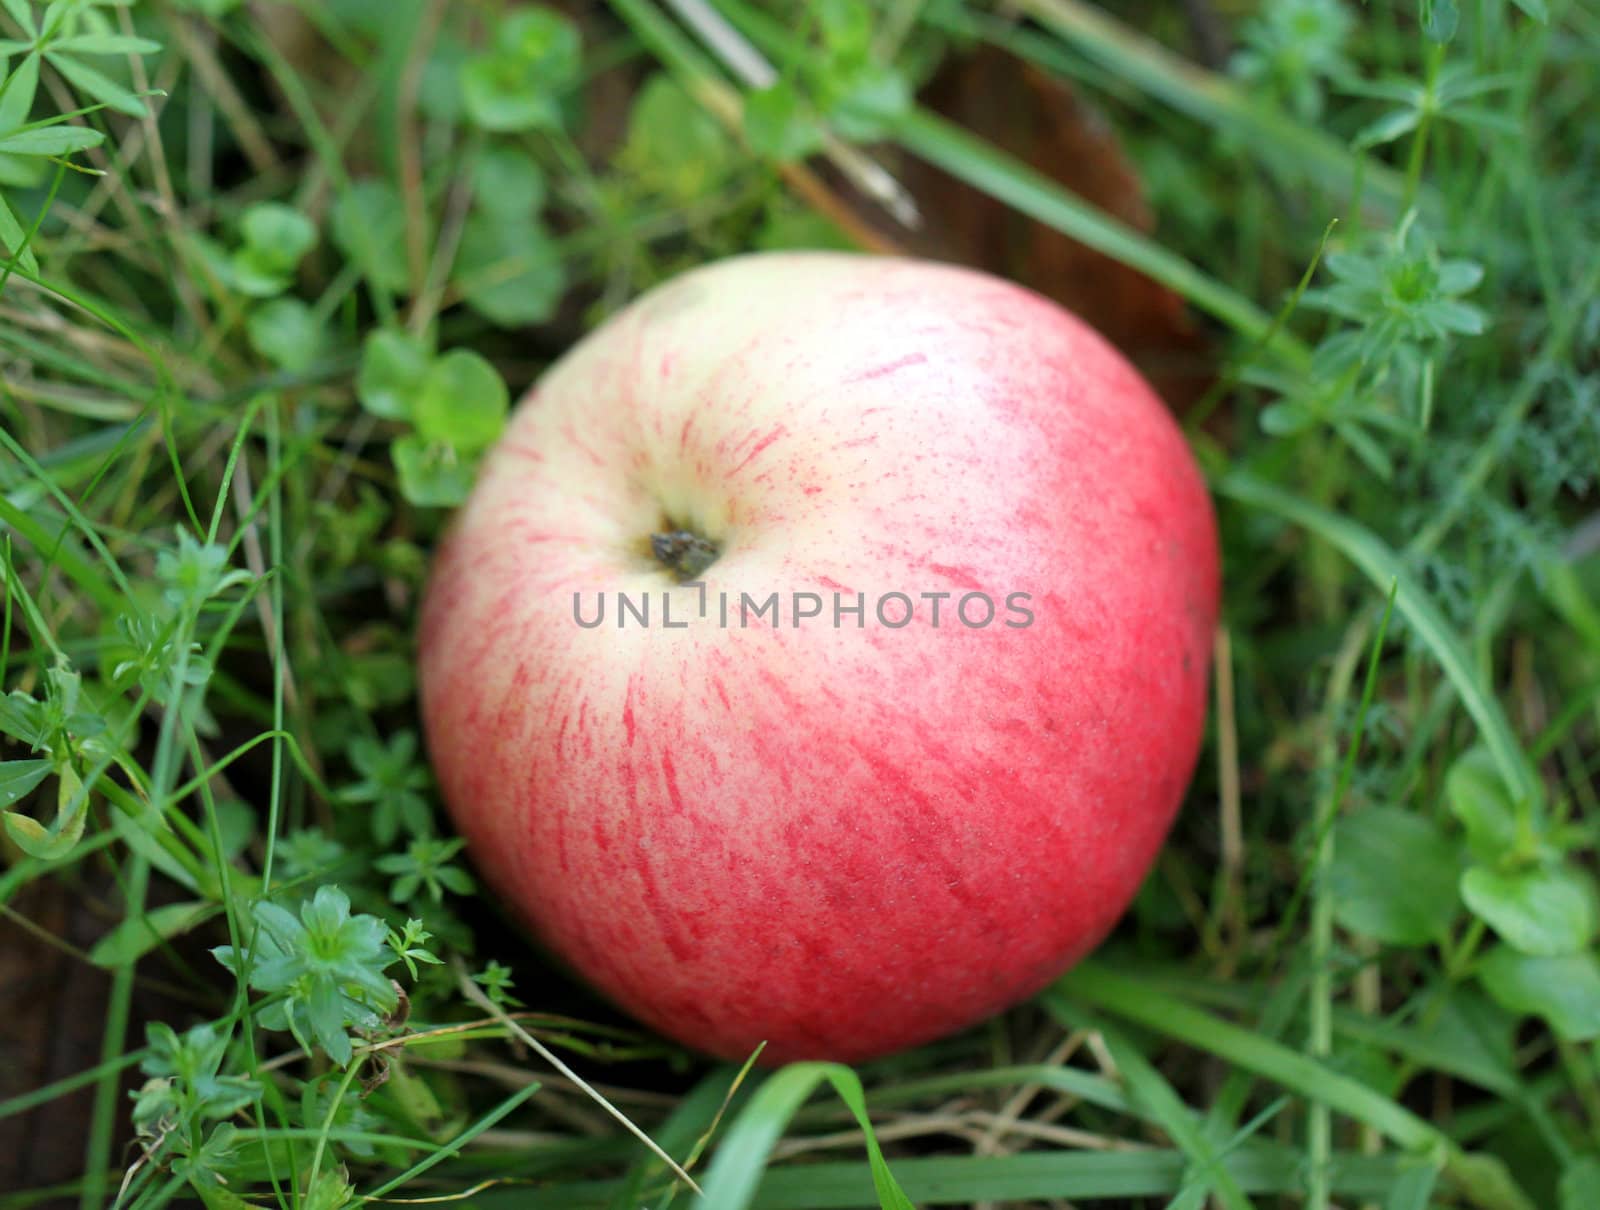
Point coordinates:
[[518, 84], [432, 474], [507, 183], [1564, 990], [511, 272], [1545, 911], [278, 232], [369, 227], [1479, 798], [193, 1061], [674, 146], [1393, 876], [777, 124], [393, 366], [463, 402], [287, 333]]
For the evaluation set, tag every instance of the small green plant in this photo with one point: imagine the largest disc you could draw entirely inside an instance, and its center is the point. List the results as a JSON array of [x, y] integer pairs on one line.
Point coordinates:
[[455, 405], [178, 1108], [425, 868], [270, 278], [1371, 381], [323, 969], [519, 82], [273, 240], [391, 785], [847, 88], [1294, 48], [68, 36]]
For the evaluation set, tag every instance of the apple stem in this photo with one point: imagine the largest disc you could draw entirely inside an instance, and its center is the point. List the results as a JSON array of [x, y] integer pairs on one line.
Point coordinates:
[[685, 552]]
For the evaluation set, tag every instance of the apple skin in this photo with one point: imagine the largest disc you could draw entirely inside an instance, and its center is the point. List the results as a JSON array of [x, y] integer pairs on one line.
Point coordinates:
[[841, 842]]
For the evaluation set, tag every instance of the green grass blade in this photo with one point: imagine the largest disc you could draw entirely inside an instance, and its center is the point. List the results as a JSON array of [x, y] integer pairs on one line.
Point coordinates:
[[1413, 1188], [1146, 65], [1010, 1180], [1482, 1180], [1009, 180], [1384, 568], [454, 1146], [1407, 1042], [1146, 1086], [53, 546], [742, 1156], [49, 1092], [1040, 1175]]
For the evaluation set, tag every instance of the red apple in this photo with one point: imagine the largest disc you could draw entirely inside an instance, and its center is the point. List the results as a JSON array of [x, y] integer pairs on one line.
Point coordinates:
[[837, 835]]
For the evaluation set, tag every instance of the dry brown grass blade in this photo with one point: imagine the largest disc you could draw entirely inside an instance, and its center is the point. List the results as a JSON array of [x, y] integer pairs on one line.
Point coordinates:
[[476, 994]]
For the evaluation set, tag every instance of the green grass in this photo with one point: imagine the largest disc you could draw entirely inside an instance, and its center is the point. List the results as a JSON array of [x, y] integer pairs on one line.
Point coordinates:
[[269, 278]]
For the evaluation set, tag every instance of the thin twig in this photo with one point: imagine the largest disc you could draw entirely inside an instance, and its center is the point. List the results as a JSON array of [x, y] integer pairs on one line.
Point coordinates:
[[476, 994], [1230, 877], [169, 208], [751, 67], [208, 70], [1004, 1123], [255, 559], [1001, 1123], [410, 144]]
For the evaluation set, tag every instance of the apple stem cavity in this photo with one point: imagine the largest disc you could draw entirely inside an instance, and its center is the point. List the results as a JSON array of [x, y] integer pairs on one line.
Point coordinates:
[[684, 552]]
